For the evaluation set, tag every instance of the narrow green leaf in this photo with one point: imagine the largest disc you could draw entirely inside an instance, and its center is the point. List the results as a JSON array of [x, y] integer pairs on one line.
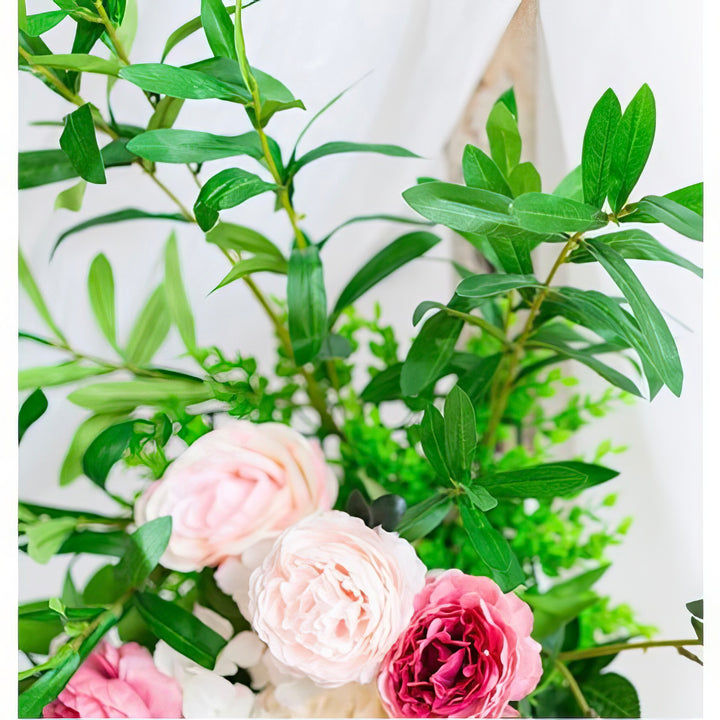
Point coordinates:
[[460, 433], [150, 329], [191, 146], [637, 244], [106, 449], [486, 285], [571, 185], [46, 536], [186, 30], [421, 519], [307, 304], [44, 690], [384, 386], [28, 283], [513, 254], [41, 167], [79, 143], [51, 375], [31, 410], [631, 149], [117, 216], [598, 148], [89, 542], [175, 295], [370, 218], [495, 558], [480, 497], [333, 148], [676, 216], [147, 545], [229, 236], [180, 630], [189, 84], [101, 289], [481, 172], [661, 345], [78, 62], [548, 480], [218, 28], [543, 213], [109, 397], [433, 432], [398, 253], [86, 432], [255, 264], [72, 197], [690, 197], [274, 97], [166, 113], [42, 22], [504, 138], [612, 695], [477, 379], [227, 189], [524, 178]]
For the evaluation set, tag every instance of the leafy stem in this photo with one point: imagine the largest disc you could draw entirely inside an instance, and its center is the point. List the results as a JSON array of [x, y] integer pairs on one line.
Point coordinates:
[[594, 652], [585, 708], [110, 30]]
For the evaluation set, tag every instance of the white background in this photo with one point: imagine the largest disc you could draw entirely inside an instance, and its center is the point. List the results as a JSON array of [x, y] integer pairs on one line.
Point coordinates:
[[425, 57]]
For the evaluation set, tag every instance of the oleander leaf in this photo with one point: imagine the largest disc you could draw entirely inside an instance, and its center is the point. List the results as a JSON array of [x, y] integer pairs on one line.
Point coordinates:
[[421, 519], [481, 172], [460, 433], [676, 216], [219, 29], [241, 239], [489, 284], [150, 329], [334, 148], [504, 138], [176, 297], [79, 143], [101, 289], [541, 213], [251, 265]]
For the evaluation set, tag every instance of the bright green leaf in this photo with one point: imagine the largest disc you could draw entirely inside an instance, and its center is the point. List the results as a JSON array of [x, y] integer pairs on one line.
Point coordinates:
[[460, 433], [543, 213], [480, 171], [101, 289], [177, 301], [79, 143], [72, 197], [150, 329]]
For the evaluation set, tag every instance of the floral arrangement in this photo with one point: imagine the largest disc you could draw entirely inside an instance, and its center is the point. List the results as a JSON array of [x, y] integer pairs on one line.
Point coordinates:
[[294, 551]]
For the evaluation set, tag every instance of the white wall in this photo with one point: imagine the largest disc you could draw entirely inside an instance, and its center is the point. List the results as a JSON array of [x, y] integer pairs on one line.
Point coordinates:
[[425, 58]]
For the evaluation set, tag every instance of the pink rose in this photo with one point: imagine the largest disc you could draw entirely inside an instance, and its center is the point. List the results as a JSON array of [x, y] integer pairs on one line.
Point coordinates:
[[233, 487], [118, 682], [466, 652], [332, 597]]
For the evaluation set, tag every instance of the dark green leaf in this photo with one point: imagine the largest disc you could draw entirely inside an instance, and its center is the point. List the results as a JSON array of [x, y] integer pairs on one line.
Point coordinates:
[[390, 258], [307, 304], [190, 84], [240, 239], [58, 374], [476, 380], [35, 636], [358, 506], [101, 289], [495, 558], [571, 186], [597, 148], [480, 171], [177, 302], [421, 519], [429, 353], [225, 190], [334, 347], [333, 148], [548, 480], [695, 608], [147, 545], [612, 695], [460, 433], [31, 410], [676, 216], [180, 630], [113, 543], [118, 216], [44, 690], [106, 449], [504, 138], [433, 433], [631, 148], [661, 345], [190, 146], [512, 254], [524, 178], [384, 386], [218, 28], [636, 245], [186, 30], [79, 143], [111, 397], [255, 264], [387, 510], [486, 285], [543, 213], [150, 329]]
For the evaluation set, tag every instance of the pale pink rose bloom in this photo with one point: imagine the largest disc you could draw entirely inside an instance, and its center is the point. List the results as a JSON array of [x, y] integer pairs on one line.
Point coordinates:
[[233, 487], [466, 652], [332, 597], [118, 682]]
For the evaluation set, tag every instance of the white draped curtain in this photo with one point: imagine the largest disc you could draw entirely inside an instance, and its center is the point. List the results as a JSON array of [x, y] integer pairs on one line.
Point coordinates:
[[418, 63]]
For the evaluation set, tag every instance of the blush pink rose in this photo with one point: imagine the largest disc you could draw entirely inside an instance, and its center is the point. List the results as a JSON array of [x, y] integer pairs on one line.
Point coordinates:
[[234, 487], [466, 652], [118, 682], [332, 597]]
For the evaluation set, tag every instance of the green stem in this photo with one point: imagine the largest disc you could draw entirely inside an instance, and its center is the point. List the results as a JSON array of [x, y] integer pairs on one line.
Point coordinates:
[[586, 710], [39, 69], [501, 394], [479, 322], [594, 652], [110, 30]]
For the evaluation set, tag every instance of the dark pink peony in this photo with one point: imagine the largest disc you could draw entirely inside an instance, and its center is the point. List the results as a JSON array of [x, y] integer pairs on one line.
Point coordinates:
[[466, 652], [118, 682]]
